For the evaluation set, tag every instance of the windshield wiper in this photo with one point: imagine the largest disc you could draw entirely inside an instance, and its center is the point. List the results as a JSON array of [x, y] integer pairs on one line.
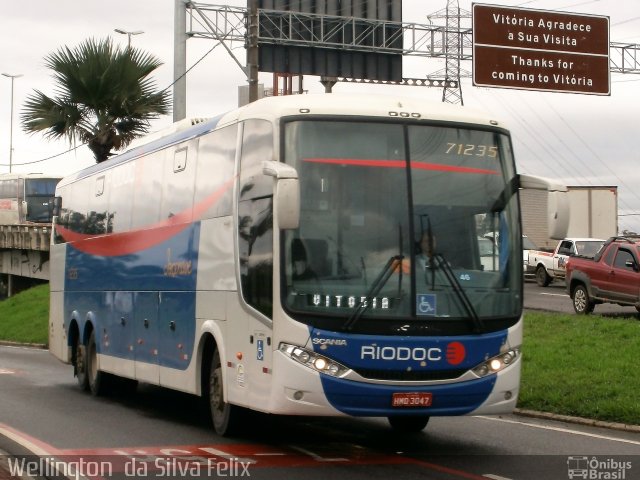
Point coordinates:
[[377, 285], [478, 324]]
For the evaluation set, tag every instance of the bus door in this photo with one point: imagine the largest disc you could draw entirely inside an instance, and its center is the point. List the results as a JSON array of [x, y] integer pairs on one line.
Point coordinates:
[[255, 250]]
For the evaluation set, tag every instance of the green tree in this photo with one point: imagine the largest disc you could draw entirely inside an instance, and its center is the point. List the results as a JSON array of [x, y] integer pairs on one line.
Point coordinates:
[[104, 97]]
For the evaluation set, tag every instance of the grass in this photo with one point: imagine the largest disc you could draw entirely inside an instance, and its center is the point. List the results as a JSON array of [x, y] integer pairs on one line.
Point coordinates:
[[572, 365], [581, 365], [25, 316]]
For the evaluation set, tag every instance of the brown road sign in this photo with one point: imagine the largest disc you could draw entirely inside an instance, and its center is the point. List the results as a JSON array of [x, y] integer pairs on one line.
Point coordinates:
[[540, 50]]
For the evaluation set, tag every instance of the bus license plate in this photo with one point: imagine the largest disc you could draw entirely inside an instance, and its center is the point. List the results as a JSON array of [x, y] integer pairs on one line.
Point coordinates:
[[411, 399]]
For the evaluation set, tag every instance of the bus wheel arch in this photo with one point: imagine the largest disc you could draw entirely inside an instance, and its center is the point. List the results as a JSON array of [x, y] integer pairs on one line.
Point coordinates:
[[205, 355], [94, 380], [225, 417], [78, 354]]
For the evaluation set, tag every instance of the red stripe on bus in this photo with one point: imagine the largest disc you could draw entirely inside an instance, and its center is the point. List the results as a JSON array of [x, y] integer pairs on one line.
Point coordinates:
[[401, 164], [126, 243]]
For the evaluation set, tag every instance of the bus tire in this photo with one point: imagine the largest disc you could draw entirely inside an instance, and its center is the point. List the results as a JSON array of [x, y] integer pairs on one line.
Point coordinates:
[[80, 364], [542, 277], [226, 418], [96, 379], [582, 304], [408, 424]]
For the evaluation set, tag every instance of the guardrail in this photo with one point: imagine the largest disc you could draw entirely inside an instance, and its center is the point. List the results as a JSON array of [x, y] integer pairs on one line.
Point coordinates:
[[25, 237], [24, 256]]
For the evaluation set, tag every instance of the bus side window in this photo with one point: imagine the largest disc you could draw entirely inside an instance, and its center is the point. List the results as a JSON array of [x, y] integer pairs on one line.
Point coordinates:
[[216, 162], [147, 196], [255, 222]]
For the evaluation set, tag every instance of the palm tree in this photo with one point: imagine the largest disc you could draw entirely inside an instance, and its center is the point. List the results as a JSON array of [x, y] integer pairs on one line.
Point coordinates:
[[104, 97]]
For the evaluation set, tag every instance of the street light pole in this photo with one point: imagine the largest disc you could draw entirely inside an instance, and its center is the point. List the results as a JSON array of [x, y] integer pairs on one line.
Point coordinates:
[[12, 77], [128, 34]]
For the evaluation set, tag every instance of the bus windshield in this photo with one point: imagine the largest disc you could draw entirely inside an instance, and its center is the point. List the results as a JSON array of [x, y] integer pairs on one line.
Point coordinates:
[[392, 224], [38, 195]]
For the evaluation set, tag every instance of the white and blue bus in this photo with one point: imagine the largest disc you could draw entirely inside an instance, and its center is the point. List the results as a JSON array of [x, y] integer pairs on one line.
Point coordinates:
[[26, 198], [267, 259]]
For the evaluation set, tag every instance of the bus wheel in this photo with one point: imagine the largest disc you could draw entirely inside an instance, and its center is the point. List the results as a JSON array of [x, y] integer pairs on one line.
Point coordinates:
[[542, 277], [582, 304], [226, 417], [96, 379], [411, 424], [80, 364]]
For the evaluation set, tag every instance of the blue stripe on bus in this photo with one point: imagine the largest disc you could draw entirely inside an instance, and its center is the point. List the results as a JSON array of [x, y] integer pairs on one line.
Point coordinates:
[[169, 265], [365, 399], [142, 305]]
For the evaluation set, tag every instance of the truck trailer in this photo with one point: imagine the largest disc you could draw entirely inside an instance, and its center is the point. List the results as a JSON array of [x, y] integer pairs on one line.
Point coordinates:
[[593, 214]]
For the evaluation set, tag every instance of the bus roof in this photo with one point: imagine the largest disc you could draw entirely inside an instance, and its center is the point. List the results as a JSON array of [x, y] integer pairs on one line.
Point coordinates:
[[272, 108], [13, 176], [365, 105]]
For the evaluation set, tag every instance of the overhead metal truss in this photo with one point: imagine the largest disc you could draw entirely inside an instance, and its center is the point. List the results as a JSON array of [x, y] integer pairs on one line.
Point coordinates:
[[624, 58], [224, 23]]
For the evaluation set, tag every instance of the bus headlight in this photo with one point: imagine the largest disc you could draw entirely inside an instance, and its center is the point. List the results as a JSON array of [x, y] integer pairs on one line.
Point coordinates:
[[313, 360], [497, 363]]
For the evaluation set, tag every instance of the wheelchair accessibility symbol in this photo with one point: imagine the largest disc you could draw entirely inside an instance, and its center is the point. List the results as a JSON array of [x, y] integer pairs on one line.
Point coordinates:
[[426, 304]]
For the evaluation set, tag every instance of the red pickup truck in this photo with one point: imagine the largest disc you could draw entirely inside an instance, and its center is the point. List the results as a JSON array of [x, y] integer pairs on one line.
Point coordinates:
[[611, 276]]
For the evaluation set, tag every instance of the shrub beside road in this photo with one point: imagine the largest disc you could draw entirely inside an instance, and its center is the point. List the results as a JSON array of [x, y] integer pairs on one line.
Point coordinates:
[[583, 366]]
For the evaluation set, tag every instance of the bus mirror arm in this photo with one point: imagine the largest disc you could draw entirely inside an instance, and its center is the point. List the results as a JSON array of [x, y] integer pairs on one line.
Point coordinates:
[[287, 194], [278, 170], [557, 203]]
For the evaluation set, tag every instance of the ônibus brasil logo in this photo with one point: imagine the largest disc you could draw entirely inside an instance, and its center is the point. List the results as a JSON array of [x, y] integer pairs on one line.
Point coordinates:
[[454, 353]]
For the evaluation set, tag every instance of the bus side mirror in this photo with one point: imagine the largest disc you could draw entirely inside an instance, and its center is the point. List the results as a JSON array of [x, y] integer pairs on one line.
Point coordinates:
[[286, 198], [557, 203]]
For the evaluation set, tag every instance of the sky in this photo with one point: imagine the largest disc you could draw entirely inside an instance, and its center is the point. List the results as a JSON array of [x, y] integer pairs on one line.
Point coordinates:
[[579, 139]]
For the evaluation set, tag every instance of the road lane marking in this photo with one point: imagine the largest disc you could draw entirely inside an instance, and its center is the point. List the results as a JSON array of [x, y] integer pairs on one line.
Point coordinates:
[[560, 429], [555, 294], [34, 445], [317, 457], [495, 477]]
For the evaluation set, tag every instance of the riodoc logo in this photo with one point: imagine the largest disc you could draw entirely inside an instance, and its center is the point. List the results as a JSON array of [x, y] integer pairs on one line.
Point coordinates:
[[454, 353]]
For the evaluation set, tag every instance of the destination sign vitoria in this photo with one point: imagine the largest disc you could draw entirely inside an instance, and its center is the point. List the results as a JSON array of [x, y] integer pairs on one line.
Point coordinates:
[[540, 50]]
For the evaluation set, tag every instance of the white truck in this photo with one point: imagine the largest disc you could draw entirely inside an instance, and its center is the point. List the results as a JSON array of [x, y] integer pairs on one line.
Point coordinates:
[[548, 266], [594, 214]]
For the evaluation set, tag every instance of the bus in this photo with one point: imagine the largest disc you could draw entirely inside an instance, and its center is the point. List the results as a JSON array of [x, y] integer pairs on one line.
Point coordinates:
[[26, 198], [264, 260]]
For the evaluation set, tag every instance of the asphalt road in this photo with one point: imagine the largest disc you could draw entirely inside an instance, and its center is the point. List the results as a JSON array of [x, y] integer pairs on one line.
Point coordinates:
[[554, 298], [142, 434]]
